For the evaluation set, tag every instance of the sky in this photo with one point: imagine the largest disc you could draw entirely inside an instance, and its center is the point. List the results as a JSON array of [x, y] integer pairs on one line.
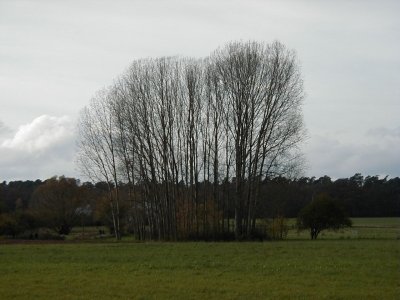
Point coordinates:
[[55, 55]]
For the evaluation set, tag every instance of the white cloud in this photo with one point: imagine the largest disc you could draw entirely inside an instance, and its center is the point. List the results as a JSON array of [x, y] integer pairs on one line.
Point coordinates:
[[42, 133], [39, 149]]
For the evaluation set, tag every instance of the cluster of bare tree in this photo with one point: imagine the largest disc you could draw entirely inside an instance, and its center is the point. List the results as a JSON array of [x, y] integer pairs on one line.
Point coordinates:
[[175, 129]]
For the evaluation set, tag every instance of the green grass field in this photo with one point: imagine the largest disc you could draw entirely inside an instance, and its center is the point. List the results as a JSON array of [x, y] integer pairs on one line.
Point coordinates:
[[329, 268], [363, 228]]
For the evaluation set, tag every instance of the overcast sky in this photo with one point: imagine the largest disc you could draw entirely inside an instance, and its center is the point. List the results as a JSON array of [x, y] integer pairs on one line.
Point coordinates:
[[54, 56]]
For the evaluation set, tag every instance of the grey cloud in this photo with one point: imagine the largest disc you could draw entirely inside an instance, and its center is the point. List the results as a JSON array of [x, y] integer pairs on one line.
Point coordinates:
[[3, 129], [384, 132], [374, 153], [5, 132]]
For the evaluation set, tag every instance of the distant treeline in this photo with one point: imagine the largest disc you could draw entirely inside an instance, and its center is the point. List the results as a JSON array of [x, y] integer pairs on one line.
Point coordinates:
[[60, 203], [360, 196]]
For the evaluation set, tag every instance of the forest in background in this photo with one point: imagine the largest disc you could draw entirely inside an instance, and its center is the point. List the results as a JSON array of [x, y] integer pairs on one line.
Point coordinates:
[[61, 203]]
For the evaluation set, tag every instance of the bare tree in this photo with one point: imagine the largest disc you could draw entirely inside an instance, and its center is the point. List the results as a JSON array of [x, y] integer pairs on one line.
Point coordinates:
[[263, 91], [176, 131], [97, 149]]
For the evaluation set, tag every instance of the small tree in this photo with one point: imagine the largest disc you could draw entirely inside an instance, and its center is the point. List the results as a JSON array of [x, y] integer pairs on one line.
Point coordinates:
[[322, 213]]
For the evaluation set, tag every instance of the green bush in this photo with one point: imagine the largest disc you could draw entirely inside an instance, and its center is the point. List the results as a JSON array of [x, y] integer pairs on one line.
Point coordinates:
[[322, 213]]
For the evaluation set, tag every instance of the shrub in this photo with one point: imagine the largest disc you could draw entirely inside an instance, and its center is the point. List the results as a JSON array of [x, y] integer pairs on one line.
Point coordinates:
[[322, 213], [278, 228]]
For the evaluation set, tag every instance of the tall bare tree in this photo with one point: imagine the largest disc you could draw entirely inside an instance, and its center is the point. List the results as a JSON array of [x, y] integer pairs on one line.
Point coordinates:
[[98, 149], [263, 91], [176, 130]]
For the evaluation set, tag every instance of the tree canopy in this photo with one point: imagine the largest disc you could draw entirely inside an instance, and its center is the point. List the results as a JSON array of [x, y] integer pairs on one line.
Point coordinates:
[[322, 213], [55, 203]]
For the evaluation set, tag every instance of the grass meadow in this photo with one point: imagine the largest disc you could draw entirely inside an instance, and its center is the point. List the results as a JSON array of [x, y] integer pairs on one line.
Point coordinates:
[[359, 263]]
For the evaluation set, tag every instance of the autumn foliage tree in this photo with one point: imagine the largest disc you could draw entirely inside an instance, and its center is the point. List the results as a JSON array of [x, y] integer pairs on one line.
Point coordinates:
[[55, 203]]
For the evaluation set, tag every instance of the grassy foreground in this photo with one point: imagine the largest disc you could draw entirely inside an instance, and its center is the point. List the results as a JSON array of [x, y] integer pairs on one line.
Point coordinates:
[[321, 269]]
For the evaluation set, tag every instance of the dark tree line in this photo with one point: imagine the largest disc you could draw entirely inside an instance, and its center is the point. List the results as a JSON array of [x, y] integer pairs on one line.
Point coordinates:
[[60, 203], [360, 196]]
